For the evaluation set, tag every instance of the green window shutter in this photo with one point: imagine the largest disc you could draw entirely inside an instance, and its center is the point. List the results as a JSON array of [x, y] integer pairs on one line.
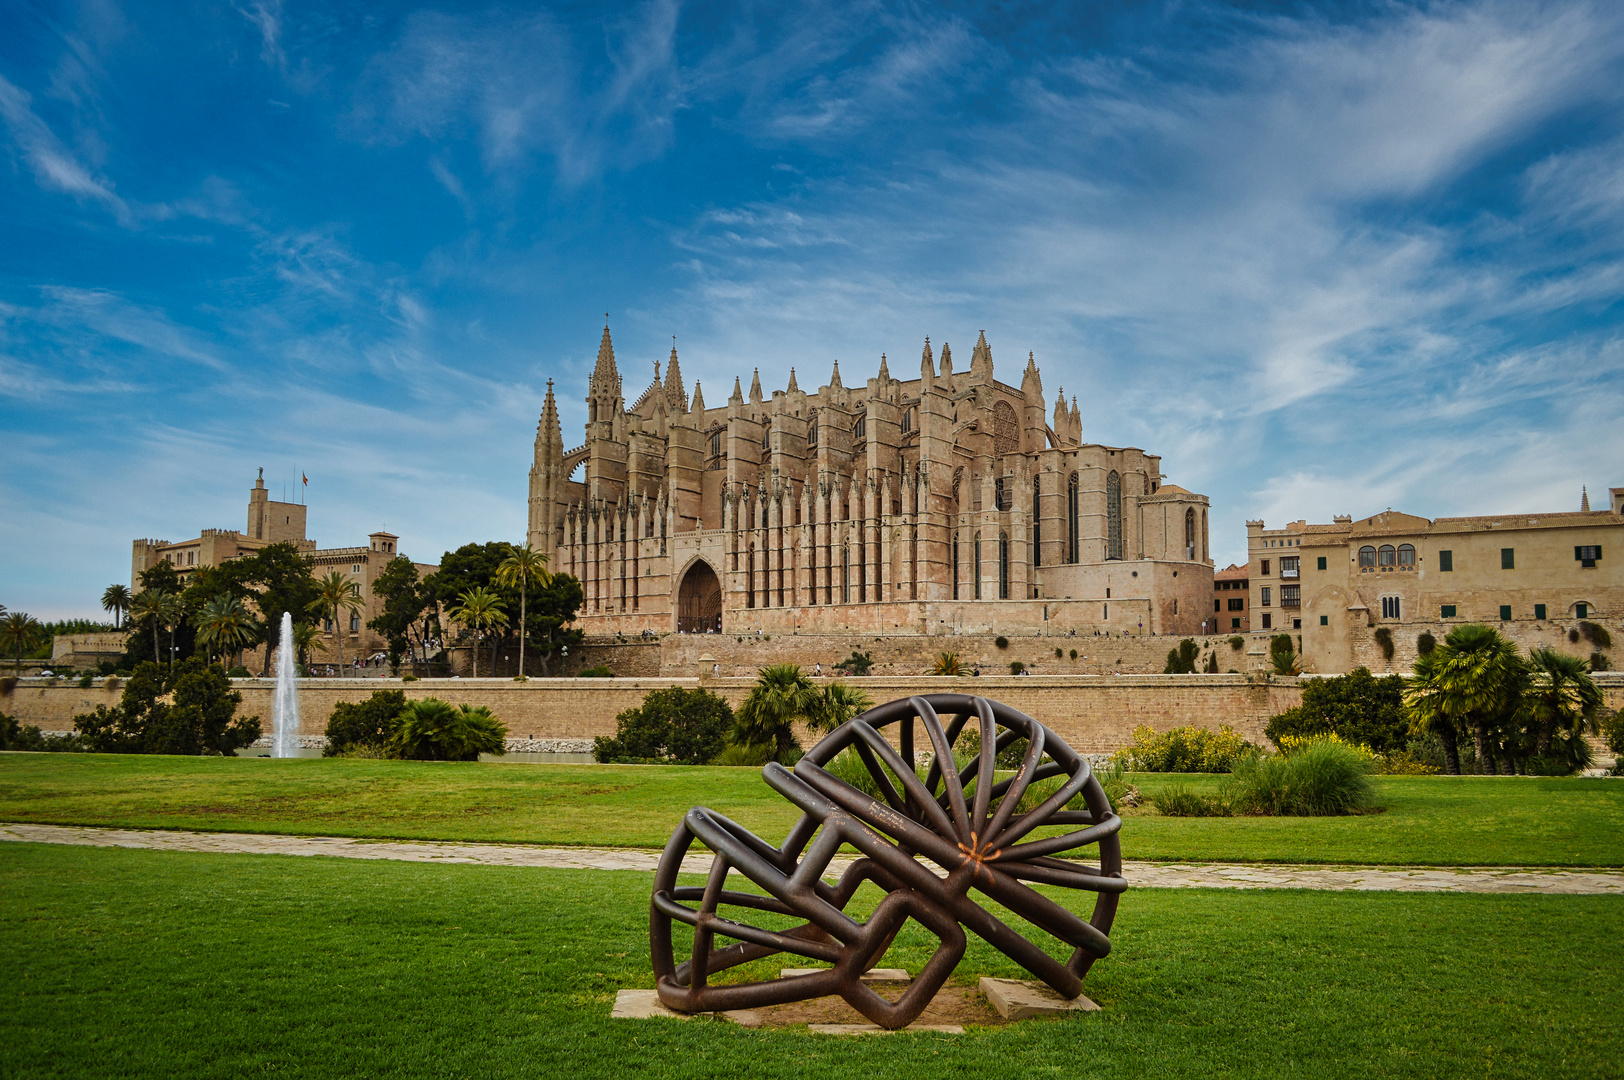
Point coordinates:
[[1539, 612], [1508, 558], [1581, 610], [1448, 611], [1322, 562], [1446, 560], [1325, 620], [1505, 612]]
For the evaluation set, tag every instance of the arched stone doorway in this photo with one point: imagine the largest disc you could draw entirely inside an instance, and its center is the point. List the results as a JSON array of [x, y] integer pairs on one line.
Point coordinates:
[[699, 600]]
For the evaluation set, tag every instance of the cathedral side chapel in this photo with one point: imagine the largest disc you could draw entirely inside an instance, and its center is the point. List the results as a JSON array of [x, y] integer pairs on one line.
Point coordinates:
[[950, 503]]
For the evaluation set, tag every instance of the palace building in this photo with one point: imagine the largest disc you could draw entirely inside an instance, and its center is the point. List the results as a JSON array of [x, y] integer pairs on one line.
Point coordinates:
[[951, 502]]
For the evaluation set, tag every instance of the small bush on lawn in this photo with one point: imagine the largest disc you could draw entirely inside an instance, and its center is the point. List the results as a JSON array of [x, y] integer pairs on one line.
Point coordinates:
[[1176, 800], [737, 756], [672, 727], [370, 723], [1185, 749], [432, 730], [1319, 777], [1358, 706], [15, 737]]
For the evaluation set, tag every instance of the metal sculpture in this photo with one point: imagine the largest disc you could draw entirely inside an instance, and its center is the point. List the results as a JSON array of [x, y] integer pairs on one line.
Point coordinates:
[[971, 830]]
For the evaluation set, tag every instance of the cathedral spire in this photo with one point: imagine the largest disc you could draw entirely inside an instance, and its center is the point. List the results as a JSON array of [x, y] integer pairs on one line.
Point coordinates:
[[834, 379], [981, 357], [738, 393], [1076, 422], [947, 359], [548, 427], [793, 388], [927, 367], [755, 388], [699, 400], [605, 368], [1584, 499], [885, 373], [1062, 419], [673, 382], [1031, 381]]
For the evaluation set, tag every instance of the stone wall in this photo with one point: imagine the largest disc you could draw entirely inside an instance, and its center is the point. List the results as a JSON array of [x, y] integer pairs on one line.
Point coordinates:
[[1093, 713]]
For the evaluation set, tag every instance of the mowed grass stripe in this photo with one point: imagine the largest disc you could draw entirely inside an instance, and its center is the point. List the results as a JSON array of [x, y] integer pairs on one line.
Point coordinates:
[[1437, 821], [142, 964]]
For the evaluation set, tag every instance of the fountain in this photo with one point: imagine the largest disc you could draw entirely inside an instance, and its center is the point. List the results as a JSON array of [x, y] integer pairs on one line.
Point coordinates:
[[285, 708]]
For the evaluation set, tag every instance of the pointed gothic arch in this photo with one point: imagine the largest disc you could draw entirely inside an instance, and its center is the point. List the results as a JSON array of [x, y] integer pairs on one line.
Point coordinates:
[[699, 600], [1113, 516]]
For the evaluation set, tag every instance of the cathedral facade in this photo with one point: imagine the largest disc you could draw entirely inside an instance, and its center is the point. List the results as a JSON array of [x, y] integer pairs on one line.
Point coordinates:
[[948, 503]]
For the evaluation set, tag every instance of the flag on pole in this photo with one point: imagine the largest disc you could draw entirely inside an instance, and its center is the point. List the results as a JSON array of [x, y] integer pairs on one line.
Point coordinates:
[[306, 480]]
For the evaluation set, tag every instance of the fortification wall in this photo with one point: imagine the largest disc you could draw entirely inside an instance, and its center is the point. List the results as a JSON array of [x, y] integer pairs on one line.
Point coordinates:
[[1093, 713]]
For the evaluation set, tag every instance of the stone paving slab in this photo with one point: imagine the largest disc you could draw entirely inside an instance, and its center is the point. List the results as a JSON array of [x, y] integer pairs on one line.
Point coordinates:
[[1143, 875]]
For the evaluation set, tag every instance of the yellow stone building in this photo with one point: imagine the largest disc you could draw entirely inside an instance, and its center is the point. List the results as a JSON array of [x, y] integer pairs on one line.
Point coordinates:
[[1339, 586], [952, 502]]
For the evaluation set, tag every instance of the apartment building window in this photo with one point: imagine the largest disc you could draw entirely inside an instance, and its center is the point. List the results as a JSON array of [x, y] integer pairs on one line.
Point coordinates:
[[1291, 567], [1367, 557], [1446, 560], [1385, 555], [1321, 562], [1539, 612], [1587, 555], [1234, 624], [1265, 567], [1266, 592], [355, 624], [1325, 620], [1268, 622], [1291, 596], [1508, 558], [1217, 605], [1406, 555], [1447, 611], [1237, 604], [1505, 612], [1390, 607]]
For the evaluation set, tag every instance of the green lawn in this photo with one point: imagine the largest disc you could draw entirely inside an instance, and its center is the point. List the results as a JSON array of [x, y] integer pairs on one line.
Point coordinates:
[[1516, 821], [130, 964]]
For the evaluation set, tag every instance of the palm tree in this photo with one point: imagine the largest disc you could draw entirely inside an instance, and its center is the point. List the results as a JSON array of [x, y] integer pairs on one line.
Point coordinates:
[[174, 613], [305, 639], [152, 606], [1428, 708], [1561, 696], [1478, 677], [522, 566], [225, 622], [335, 591], [947, 663], [117, 600], [18, 631], [481, 609], [782, 695], [835, 705]]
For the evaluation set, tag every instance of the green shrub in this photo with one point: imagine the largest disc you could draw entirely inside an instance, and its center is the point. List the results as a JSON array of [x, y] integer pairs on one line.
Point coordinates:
[[1001, 641], [15, 737], [1359, 706], [371, 723], [1184, 749], [86, 680], [1016, 667], [601, 671], [755, 756], [1059, 653], [1598, 662], [1181, 661], [1176, 800], [1425, 643], [1320, 778], [1074, 654], [1237, 642], [1596, 634], [672, 727], [858, 663], [408, 678], [432, 730], [1610, 722], [1384, 638], [239, 672], [1212, 663], [187, 709]]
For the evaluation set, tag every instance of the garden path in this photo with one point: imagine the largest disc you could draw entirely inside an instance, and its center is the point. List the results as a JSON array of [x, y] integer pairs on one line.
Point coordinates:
[[1139, 874]]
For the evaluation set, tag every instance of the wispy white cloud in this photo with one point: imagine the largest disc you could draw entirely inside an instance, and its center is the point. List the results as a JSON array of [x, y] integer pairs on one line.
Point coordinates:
[[266, 17], [53, 165]]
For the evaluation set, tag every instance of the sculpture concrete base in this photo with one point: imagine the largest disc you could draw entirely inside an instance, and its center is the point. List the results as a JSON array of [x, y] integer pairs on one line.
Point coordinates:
[[1017, 999], [873, 975], [875, 1029]]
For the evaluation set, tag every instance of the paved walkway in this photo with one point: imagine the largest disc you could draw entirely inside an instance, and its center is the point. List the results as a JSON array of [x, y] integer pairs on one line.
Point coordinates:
[[1139, 874]]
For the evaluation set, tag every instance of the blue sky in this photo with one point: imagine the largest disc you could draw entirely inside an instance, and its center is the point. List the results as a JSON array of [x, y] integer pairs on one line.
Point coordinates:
[[1323, 258]]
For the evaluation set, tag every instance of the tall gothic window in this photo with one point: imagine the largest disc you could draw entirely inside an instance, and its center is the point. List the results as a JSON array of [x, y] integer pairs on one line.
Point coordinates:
[[859, 430], [716, 443], [1006, 433], [1072, 489], [845, 574], [1204, 553], [955, 564], [907, 421], [1113, 516], [1003, 566], [976, 570], [1037, 524], [1003, 492], [812, 428], [1189, 534]]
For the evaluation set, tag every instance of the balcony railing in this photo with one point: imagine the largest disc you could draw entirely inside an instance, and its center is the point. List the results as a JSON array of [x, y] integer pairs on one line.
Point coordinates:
[[1290, 575]]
